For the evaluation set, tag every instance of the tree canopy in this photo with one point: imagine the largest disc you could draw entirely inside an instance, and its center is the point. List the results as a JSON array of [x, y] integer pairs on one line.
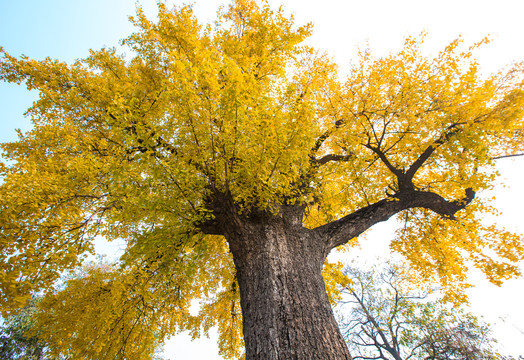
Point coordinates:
[[203, 128]]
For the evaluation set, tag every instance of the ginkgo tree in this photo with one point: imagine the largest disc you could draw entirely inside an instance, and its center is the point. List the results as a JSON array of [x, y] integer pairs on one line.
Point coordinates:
[[232, 158]]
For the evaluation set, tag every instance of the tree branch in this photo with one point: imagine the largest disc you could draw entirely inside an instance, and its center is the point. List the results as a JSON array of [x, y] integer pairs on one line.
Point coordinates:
[[382, 156], [451, 130], [324, 137], [341, 231], [333, 157], [506, 156], [385, 343]]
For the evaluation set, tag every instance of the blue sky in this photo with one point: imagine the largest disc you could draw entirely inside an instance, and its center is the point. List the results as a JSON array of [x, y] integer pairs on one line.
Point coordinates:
[[67, 29], [60, 29]]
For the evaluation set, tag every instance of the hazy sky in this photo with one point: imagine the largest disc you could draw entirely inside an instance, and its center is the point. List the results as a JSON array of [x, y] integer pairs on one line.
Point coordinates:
[[67, 29]]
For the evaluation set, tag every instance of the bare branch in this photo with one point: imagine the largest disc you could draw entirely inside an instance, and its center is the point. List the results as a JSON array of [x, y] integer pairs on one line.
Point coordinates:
[[382, 156], [506, 156]]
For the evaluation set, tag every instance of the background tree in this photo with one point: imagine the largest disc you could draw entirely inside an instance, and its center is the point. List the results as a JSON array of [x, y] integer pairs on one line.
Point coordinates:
[[232, 159], [20, 338], [383, 317]]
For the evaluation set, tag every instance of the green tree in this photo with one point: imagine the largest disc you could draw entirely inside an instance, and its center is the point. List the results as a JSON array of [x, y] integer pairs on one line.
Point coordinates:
[[19, 338], [232, 159], [383, 317]]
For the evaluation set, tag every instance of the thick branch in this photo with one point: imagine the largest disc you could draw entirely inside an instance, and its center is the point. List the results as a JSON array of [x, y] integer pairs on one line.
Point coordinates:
[[333, 157], [341, 231], [220, 213], [210, 227], [382, 156]]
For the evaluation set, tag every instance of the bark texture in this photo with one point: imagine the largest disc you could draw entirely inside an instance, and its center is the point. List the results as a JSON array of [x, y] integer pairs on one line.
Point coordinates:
[[285, 307]]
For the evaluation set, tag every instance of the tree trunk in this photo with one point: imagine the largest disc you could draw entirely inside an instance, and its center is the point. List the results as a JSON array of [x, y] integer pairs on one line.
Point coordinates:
[[285, 308]]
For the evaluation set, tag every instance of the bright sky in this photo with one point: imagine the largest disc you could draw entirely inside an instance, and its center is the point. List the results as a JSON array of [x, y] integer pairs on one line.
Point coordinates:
[[67, 29]]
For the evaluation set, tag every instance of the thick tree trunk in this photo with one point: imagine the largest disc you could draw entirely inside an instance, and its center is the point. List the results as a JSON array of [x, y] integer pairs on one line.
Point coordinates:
[[285, 308]]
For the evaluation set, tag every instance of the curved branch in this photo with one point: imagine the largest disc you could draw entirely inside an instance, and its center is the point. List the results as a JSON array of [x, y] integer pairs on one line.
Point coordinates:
[[340, 231], [333, 157], [382, 156]]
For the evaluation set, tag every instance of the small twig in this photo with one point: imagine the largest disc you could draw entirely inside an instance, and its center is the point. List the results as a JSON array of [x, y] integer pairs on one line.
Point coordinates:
[[506, 156]]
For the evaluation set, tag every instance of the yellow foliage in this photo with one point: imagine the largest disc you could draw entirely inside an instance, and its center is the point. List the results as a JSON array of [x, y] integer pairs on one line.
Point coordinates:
[[335, 280], [133, 148]]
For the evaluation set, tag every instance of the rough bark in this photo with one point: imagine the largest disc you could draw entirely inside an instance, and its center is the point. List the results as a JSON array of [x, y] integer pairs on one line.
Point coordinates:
[[285, 308]]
